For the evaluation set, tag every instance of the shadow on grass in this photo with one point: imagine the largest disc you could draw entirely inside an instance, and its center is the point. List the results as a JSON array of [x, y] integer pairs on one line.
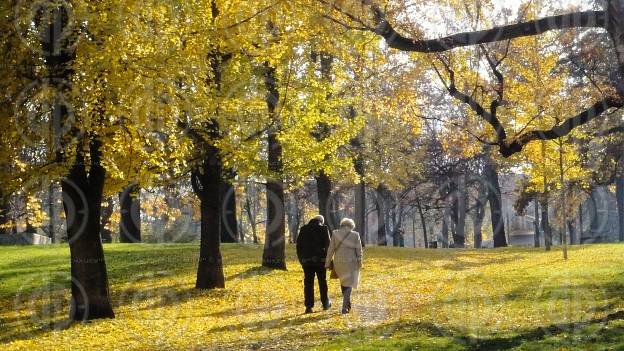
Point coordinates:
[[251, 272], [430, 337]]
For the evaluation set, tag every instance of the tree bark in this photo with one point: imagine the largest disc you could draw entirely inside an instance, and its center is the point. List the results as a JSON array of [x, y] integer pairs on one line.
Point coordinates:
[[206, 182], [82, 200], [274, 255], [494, 198], [229, 220], [130, 221]]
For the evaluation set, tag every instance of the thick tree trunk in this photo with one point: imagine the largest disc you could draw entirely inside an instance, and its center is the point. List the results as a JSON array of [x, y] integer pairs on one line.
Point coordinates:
[[82, 199], [494, 198], [130, 221], [546, 222], [323, 190], [206, 184], [107, 213], [380, 206], [423, 223], [275, 242], [478, 217], [82, 192], [210, 268], [274, 255], [619, 191], [536, 223], [229, 220]]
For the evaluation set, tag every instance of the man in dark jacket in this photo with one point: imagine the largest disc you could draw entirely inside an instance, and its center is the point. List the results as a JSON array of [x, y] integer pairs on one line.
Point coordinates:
[[312, 244]]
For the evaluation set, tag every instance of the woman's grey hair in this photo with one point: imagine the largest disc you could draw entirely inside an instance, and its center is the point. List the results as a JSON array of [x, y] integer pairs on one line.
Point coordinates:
[[347, 222], [320, 218]]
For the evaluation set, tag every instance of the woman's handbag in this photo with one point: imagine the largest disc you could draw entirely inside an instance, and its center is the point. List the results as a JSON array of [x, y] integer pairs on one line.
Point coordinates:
[[333, 274]]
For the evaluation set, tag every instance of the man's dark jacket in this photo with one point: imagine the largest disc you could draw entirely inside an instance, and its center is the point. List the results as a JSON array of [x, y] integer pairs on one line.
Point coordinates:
[[312, 244]]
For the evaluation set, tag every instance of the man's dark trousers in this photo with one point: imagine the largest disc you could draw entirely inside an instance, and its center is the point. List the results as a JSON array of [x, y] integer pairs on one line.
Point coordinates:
[[308, 284]]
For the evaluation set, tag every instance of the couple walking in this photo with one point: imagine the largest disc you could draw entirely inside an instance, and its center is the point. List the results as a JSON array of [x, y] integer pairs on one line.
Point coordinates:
[[342, 254]]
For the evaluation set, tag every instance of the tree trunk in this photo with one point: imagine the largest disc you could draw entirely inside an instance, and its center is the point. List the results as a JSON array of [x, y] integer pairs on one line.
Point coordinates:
[[536, 223], [445, 227], [615, 27], [494, 198], [545, 222], [82, 192], [107, 213], [229, 220], [274, 255], [206, 184], [381, 216], [459, 238], [572, 231], [251, 213], [294, 217], [619, 193], [82, 200], [360, 211], [423, 223], [130, 221], [323, 190], [580, 218], [478, 217], [5, 214]]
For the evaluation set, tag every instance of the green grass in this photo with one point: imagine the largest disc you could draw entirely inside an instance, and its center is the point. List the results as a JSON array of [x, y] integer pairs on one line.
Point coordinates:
[[509, 299]]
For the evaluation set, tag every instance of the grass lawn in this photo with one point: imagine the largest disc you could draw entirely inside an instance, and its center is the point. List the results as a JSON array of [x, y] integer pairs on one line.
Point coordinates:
[[508, 299]]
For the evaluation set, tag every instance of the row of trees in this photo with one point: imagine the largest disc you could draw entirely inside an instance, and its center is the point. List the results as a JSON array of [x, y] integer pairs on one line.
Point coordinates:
[[112, 96]]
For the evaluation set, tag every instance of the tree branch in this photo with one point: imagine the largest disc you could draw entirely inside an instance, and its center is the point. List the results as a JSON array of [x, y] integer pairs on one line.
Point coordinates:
[[587, 19], [517, 144]]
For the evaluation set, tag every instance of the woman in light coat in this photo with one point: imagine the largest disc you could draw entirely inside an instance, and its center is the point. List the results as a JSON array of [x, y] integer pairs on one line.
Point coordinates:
[[345, 249]]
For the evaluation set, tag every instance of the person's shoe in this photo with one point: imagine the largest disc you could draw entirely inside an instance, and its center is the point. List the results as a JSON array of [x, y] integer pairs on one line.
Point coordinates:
[[327, 306], [308, 310]]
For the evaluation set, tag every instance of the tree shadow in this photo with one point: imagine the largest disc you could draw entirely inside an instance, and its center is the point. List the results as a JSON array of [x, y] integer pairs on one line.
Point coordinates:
[[251, 272]]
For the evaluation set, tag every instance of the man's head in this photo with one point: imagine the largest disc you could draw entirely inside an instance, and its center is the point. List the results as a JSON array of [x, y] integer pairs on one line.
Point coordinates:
[[318, 219]]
